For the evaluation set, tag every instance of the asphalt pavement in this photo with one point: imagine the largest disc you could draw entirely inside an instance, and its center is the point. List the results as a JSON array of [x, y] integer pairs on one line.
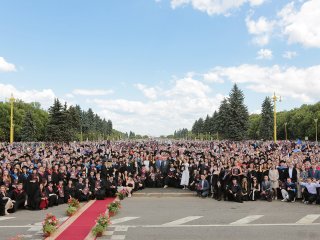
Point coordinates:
[[191, 218], [161, 216]]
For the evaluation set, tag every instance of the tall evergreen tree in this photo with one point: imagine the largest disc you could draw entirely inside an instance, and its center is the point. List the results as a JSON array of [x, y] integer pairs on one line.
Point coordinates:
[[266, 124], [222, 118], [28, 131], [206, 124], [214, 123], [238, 115], [56, 122]]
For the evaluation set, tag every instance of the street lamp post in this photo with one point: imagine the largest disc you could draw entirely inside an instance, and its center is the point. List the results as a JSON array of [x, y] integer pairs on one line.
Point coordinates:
[[11, 119], [316, 122], [275, 99], [285, 129]]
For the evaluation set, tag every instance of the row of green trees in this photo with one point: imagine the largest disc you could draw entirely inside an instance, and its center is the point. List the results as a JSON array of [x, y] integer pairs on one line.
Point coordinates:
[[232, 121], [59, 123]]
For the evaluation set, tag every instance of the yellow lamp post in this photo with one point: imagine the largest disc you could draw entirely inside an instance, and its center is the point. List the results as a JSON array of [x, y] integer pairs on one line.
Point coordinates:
[[11, 119], [316, 122], [285, 129], [275, 99]]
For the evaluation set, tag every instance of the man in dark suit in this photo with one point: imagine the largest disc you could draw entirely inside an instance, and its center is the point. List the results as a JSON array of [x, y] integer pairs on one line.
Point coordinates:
[[291, 172], [203, 187], [234, 191]]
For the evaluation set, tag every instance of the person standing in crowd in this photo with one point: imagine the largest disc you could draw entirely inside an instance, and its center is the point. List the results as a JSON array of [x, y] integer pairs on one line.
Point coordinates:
[[274, 178], [185, 175]]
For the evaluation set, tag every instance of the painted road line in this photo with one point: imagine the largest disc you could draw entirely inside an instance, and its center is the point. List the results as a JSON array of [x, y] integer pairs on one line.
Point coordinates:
[[121, 229], [35, 229], [309, 219], [5, 218], [122, 220], [182, 221], [107, 233], [118, 237], [247, 220]]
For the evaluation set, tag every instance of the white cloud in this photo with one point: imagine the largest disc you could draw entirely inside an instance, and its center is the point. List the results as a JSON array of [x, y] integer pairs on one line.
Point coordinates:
[[303, 25], [264, 54], [91, 92], [212, 77], [289, 54], [289, 82], [215, 7], [175, 107], [5, 66], [150, 93], [262, 30], [44, 96]]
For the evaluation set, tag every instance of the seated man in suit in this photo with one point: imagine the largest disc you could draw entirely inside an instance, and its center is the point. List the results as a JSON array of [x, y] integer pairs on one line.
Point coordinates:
[[234, 191], [266, 189], [289, 191], [203, 187]]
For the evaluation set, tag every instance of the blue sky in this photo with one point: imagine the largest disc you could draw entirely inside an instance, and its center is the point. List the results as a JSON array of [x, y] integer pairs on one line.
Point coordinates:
[[156, 66]]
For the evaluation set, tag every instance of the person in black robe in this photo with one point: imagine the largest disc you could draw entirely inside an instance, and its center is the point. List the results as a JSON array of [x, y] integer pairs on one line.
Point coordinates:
[[99, 188], [53, 197], [70, 191], [33, 185], [41, 198], [171, 179], [19, 196], [111, 187], [60, 192]]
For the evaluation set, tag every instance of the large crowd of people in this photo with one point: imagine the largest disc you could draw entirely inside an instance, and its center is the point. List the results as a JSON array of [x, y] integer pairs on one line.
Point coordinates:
[[36, 176]]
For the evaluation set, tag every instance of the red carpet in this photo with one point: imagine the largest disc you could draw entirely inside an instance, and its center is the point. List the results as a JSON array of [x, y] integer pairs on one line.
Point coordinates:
[[81, 227]]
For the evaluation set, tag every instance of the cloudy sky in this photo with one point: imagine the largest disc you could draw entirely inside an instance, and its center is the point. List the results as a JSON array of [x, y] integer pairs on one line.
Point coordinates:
[[153, 66]]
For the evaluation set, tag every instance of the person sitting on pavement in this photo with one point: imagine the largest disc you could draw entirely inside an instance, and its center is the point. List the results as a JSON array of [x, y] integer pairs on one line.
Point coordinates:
[[203, 187], [310, 191], [234, 191], [289, 191], [266, 189]]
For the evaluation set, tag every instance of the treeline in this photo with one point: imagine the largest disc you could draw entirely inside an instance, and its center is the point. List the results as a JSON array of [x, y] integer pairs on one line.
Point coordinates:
[[60, 123], [233, 122]]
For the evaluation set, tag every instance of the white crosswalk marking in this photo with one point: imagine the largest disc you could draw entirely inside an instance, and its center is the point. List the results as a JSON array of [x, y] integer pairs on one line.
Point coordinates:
[[247, 220], [5, 218], [118, 237], [309, 219], [108, 233], [122, 220], [182, 221], [121, 229]]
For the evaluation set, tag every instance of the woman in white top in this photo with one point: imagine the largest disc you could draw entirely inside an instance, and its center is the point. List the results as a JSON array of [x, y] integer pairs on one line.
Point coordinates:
[[185, 175]]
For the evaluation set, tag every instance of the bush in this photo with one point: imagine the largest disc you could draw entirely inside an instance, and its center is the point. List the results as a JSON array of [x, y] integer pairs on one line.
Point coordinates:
[[98, 230], [71, 210], [49, 224], [72, 202]]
